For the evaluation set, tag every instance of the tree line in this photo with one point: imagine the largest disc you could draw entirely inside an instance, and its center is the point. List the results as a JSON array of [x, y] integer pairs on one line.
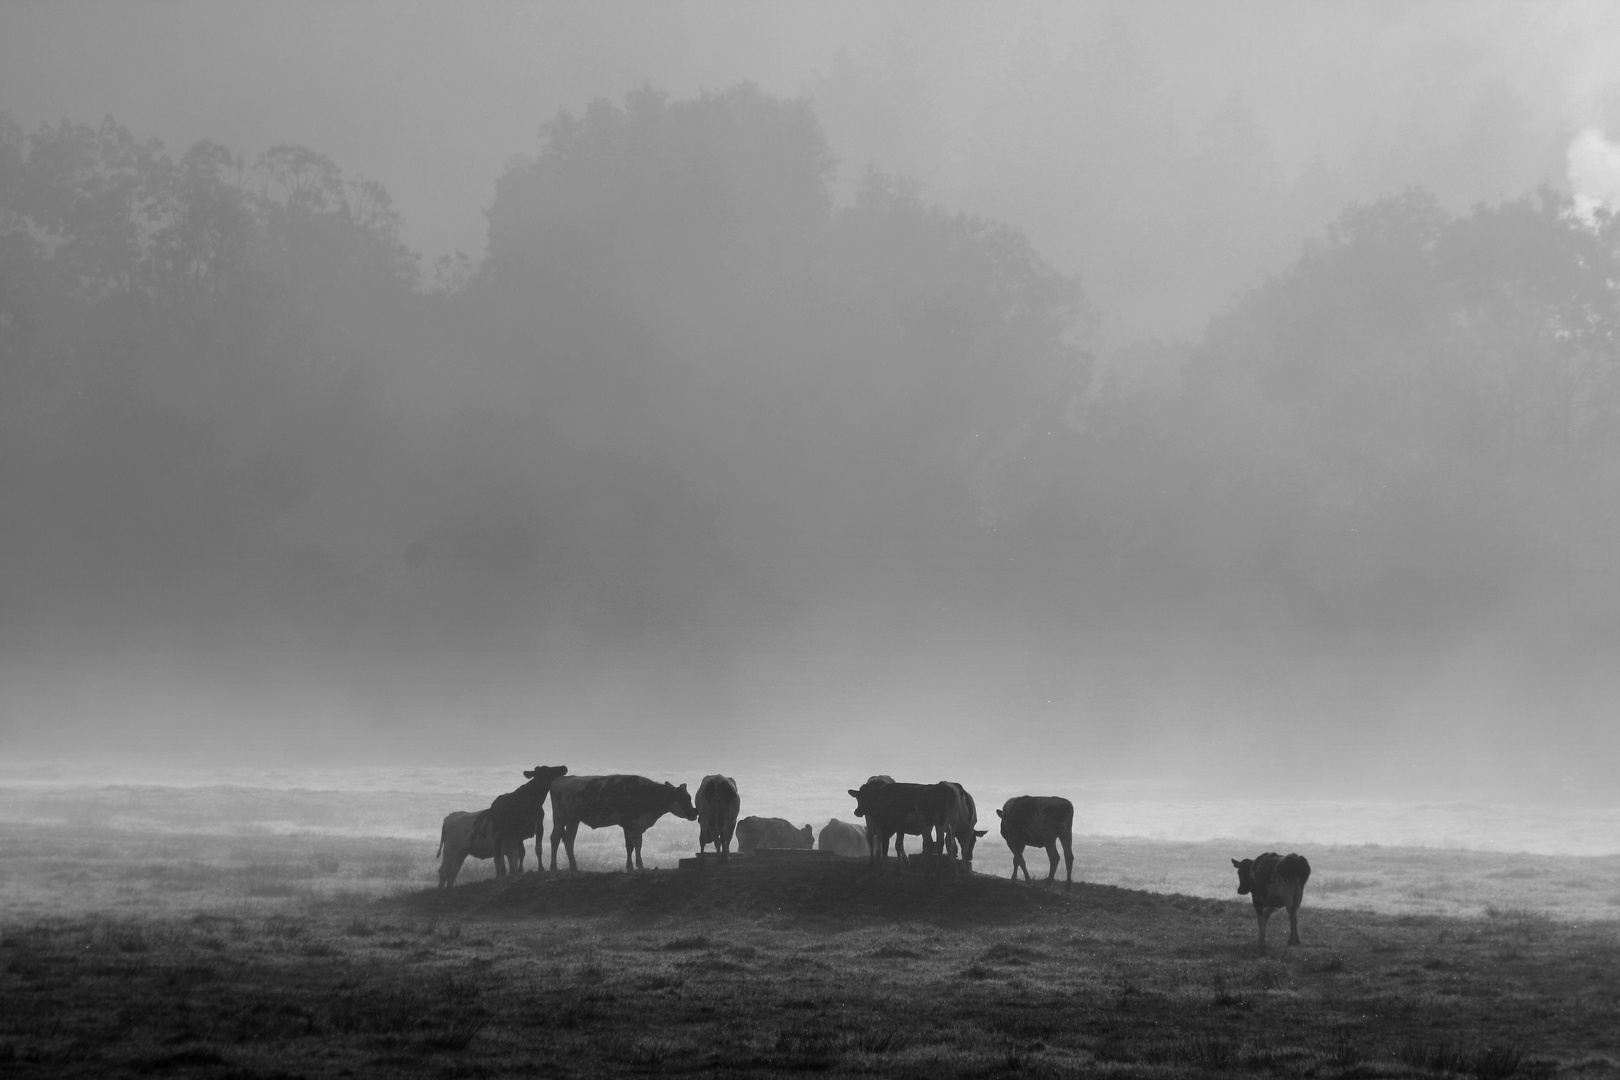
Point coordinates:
[[686, 386]]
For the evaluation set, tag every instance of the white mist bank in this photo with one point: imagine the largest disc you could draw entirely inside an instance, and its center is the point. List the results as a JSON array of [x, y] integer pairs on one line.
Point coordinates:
[[410, 802]]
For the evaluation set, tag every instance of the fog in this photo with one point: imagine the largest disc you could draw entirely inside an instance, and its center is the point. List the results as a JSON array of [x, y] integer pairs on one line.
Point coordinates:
[[1179, 393]]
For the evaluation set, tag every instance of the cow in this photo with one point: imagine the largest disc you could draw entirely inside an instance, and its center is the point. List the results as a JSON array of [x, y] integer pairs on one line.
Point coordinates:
[[754, 833], [1274, 881], [459, 838], [634, 803], [517, 815], [895, 808], [960, 819], [1039, 821], [717, 804], [842, 838], [912, 826]]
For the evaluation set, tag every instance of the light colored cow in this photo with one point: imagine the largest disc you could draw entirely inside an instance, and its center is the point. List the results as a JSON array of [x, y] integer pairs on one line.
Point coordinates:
[[1039, 821], [842, 838], [717, 804], [1274, 881], [960, 819], [754, 833], [460, 837]]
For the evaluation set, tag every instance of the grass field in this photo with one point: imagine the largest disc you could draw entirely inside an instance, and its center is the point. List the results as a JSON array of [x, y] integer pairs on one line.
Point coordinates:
[[262, 955]]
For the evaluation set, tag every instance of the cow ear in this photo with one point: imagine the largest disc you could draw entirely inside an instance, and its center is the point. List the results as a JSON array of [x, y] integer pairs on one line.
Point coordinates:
[[1237, 864], [683, 787], [998, 813], [980, 832], [854, 794], [528, 774]]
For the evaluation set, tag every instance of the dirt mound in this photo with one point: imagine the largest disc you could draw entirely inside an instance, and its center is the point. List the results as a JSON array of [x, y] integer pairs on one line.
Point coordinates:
[[837, 889]]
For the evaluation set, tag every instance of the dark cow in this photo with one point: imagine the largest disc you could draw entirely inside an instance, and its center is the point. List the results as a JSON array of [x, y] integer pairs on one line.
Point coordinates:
[[842, 838], [1274, 881], [634, 803], [514, 817], [912, 826], [754, 833], [960, 834], [1039, 821], [459, 838], [892, 809], [717, 804]]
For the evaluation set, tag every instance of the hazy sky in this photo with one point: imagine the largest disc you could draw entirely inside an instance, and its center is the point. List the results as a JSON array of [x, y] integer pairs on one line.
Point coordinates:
[[433, 99], [1100, 130]]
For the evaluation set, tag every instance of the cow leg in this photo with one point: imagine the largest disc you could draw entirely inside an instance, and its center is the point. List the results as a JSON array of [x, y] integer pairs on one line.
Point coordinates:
[[1018, 863], [1293, 923], [500, 857], [1261, 915], [629, 850], [1052, 855], [450, 867], [639, 866], [515, 856], [556, 838], [1068, 861], [568, 843], [900, 849]]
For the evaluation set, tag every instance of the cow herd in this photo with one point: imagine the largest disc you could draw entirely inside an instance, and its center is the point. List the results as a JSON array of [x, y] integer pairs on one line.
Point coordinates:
[[942, 815]]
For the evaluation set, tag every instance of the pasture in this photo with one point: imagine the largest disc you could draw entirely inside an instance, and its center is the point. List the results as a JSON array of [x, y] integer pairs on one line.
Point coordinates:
[[253, 954]]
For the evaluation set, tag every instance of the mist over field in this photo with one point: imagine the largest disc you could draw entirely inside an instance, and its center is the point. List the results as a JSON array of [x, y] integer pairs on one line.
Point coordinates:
[[1190, 396]]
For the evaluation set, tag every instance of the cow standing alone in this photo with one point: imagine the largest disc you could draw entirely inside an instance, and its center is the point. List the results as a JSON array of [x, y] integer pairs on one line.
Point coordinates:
[[1274, 881], [1039, 821], [717, 805], [634, 803]]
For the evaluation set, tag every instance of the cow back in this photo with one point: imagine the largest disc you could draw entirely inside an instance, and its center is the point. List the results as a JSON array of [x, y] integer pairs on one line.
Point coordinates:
[[1036, 820], [616, 799]]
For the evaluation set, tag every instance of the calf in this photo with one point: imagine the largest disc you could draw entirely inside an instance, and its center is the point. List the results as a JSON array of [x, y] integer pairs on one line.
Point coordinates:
[[1039, 821], [717, 805], [517, 815], [1274, 881], [842, 838], [893, 808], [634, 803], [459, 837], [754, 833]]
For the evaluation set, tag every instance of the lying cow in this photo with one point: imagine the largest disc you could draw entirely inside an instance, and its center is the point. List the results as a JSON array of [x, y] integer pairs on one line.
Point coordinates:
[[1274, 881], [842, 838], [634, 803], [1039, 821], [459, 837], [517, 815], [893, 809], [960, 819], [717, 804], [754, 833]]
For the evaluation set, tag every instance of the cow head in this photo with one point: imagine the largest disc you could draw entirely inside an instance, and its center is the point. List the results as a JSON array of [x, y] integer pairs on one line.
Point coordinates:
[[680, 803], [1245, 871], [540, 778], [860, 803]]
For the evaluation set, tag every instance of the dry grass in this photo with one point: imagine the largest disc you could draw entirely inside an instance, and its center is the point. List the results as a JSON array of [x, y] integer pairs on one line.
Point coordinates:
[[274, 956]]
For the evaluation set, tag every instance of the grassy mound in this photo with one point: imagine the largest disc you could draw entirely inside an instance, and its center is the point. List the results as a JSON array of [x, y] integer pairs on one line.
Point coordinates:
[[836, 889]]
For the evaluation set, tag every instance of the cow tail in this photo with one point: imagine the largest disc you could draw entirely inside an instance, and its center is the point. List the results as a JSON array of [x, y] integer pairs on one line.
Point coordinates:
[[440, 852]]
